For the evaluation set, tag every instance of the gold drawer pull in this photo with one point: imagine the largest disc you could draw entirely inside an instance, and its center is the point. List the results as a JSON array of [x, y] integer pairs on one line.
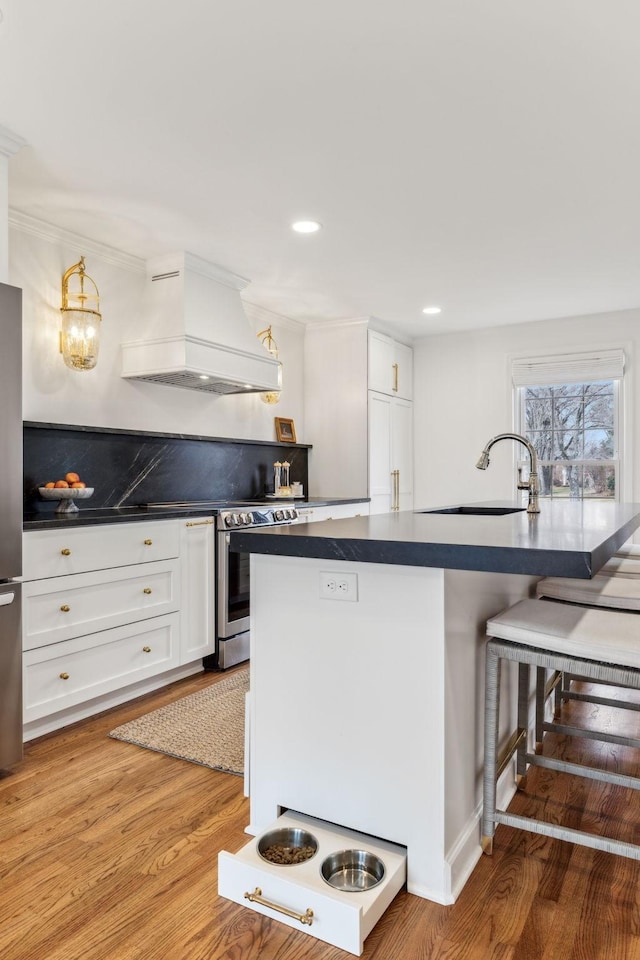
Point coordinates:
[[306, 919], [66, 552], [146, 649], [395, 377], [147, 590], [198, 523], [148, 543], [65, 608], [64, 676]]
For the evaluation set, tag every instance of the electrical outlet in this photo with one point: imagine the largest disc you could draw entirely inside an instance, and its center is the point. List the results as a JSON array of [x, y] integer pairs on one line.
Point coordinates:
[[339, 586]]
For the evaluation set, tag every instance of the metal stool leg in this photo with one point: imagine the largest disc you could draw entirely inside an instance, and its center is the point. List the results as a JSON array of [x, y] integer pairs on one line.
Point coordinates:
[[523, 723], [491, 714]]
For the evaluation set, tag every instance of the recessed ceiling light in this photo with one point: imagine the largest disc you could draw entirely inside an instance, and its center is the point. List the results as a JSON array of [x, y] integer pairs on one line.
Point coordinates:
[[306, 226], [203, 376], [431, 311]]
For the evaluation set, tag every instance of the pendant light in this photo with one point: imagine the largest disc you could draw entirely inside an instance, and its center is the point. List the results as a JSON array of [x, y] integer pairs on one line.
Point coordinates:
[[81, 318], [271, 396]]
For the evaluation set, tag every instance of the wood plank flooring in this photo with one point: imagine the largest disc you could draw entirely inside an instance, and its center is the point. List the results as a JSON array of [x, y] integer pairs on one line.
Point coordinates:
[[109, 852]]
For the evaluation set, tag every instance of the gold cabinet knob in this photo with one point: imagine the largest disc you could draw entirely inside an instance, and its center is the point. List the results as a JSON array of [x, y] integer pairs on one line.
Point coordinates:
[[66, 552], [146, 649], [148, 543], [65, 608], [64, 676], [147, 590]]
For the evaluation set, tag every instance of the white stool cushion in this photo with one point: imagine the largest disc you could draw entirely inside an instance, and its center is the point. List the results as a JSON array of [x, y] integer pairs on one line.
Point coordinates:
[[605, 635], [618, 593], [621, 567]]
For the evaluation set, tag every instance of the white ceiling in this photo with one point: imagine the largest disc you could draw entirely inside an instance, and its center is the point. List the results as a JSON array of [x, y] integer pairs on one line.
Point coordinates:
[[484, 156]]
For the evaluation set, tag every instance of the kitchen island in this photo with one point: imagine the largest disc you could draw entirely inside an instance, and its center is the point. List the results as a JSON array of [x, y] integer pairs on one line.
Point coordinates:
[[367, 656]]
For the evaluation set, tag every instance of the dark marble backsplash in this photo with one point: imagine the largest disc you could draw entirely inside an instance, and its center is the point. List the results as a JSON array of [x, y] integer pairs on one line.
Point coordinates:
[[127, 468]]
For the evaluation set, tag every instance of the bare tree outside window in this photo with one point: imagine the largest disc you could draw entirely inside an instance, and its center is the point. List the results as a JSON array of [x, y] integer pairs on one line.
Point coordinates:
[[572, 427]]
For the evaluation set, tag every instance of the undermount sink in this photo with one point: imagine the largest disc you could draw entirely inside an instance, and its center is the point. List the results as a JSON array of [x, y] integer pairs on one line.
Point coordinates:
[[477, 511]]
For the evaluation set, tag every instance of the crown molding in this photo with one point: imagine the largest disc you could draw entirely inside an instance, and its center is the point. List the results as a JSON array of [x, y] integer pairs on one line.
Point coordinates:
[[10, 142], [263, 316], [47, 231]]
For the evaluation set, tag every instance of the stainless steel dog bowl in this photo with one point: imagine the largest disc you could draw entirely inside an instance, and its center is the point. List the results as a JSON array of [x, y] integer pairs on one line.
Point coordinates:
[[352, 870], [287, 846]]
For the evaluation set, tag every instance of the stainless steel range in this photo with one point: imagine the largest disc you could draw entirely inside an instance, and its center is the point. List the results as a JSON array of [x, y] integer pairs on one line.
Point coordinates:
[[233, 582]]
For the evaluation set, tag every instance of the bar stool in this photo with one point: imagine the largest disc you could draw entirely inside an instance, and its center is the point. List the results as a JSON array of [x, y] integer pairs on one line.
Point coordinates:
[[598, 644], [616, 591]]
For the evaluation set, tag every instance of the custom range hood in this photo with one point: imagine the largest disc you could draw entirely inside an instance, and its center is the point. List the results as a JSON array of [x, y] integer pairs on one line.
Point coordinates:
[[194, 333]]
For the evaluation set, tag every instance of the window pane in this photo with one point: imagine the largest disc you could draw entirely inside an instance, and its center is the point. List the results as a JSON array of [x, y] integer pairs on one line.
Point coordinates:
[[599, 481], [571, 425], [567, 445], [598, 445]]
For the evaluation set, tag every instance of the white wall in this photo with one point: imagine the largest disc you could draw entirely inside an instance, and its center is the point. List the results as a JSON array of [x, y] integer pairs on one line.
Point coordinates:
[[38, 256], [463, 397]]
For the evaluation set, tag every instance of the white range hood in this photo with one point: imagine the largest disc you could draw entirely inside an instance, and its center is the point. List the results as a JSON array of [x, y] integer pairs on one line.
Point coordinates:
[[194, 333]]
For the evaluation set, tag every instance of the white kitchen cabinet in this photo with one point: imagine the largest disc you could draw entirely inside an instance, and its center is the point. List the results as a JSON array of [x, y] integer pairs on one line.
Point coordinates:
[[197, 552], [390, 366], [390, 453], [62, 675], [111, 611], [348, 366]]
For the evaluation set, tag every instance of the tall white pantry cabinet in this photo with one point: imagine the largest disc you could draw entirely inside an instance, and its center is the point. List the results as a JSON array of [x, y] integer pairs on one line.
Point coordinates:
[[359, 414]]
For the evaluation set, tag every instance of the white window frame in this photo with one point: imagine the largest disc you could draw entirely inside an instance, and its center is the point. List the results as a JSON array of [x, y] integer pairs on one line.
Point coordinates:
[[572, 367]]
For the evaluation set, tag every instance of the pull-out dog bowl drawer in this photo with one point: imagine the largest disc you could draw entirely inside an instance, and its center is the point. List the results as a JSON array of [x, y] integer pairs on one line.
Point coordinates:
[[329, 882]]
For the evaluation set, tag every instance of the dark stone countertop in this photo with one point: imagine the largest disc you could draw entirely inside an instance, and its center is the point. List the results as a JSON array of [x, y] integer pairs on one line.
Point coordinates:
[[570, 539], [88, 517]]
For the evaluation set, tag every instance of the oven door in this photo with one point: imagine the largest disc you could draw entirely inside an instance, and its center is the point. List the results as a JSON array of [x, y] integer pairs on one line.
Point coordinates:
[[233, 589]]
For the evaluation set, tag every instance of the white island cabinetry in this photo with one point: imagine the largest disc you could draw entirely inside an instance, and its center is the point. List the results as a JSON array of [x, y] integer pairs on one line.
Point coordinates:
[[111, 611], [360, 417]]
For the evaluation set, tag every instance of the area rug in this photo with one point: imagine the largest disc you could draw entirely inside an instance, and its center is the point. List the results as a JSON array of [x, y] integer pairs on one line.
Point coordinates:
[[206, 727]]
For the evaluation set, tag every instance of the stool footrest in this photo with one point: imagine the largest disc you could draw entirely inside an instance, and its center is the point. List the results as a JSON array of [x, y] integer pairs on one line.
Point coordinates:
[[603, 701], [607, 844], [568, 730], [579, 770]]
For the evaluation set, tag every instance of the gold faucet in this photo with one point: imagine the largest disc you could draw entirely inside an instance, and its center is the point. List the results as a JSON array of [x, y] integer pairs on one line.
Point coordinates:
[[532, 483]]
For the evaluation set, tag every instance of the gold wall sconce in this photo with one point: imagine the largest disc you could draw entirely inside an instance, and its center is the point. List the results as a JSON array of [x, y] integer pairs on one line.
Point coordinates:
[[267, 341], [81, 318]]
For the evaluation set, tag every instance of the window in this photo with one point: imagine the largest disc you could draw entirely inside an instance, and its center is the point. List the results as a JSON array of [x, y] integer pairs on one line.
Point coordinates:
[[568, 407]]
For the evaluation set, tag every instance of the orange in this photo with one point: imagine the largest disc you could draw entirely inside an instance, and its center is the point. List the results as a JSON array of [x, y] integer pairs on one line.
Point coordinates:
[[72, 478], [50, 485], [79, 485], [61, 483]]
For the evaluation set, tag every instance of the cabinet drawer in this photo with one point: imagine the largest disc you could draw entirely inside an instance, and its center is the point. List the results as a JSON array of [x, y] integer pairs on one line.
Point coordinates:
[[56, 553], [64, 674], [58, 609], [342, 918]]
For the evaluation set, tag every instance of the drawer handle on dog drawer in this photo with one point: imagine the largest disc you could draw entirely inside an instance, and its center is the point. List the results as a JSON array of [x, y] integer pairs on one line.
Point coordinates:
[[65, 608], [146, 649], [148, 543], [64, 676], [147, 590], [66, 552], [256, 897]]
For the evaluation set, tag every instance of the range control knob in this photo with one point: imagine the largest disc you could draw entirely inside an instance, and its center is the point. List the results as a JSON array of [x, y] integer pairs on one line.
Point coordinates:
[[228, 520], [243, 518], [294, 513], [249, 518], [279, 515]]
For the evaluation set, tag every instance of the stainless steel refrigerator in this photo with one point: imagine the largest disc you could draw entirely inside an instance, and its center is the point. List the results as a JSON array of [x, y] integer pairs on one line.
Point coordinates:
[[10, 524]]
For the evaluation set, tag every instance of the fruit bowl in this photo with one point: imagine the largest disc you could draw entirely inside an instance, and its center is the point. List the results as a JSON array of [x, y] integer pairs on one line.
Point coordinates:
[[66, 496]]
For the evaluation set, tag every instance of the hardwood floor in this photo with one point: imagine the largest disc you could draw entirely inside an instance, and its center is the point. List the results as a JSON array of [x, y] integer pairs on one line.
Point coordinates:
[[109, 851]]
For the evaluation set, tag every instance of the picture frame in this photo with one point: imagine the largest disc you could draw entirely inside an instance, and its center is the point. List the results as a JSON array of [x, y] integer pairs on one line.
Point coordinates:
[[285, 430]]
